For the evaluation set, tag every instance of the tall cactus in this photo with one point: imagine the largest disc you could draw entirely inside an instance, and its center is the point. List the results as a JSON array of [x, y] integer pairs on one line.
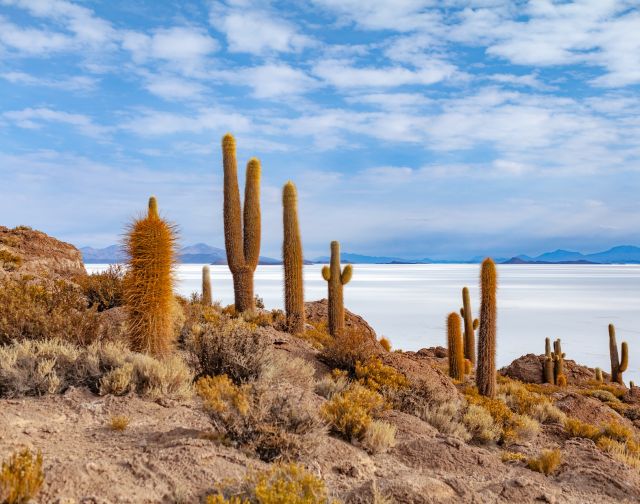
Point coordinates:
[[293, 261], [617, 366], [558, 364], [150, 244], [455, 345], [242, 243], [549, 376], [598, 375], [336, 279], [486, 367], [206, 286], [470, 325]]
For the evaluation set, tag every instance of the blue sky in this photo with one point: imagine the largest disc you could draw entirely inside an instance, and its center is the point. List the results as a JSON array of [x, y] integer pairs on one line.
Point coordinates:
[[417, 128]]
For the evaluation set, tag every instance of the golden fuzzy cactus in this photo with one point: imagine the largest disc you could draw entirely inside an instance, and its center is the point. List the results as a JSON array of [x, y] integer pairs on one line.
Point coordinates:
[[558, 363], [293, 261], [150, 244], [336, 278], [548, 369], [617, 366], [486, 366], [456, 347], [241, 232], [206, 286], [598, 375], [470, 325]]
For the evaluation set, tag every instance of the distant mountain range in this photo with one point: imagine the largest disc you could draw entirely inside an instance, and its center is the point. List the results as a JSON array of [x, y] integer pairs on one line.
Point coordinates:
[[201, 253]]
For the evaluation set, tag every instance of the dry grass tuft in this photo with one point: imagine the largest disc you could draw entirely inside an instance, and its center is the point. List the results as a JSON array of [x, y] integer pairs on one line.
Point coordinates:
[[281, 484], [546, 463], [21, 477], [385, 343], [480, 424], [379, 437], [510, 456], [331, 385], [346, 350], [602, 395], [119, 423]]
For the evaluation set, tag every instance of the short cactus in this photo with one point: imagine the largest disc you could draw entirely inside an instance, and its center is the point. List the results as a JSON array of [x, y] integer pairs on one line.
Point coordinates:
[[336, 279], [549, 376], [242, 243], [486, 365], [470, 325], [598, 375], [293, 261], [617, 366], [206, 286], [456, 347], [150, 244], [558, 364]]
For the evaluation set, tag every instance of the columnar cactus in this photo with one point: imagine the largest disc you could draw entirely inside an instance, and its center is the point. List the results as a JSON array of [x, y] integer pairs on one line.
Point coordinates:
[[598, 375], [455, 346], [336, 279], [470, 325], [293, 261], [150, 244], [242, 243], [486, 366], [206, 286], [549, 376], [617, 366], [558, 364]]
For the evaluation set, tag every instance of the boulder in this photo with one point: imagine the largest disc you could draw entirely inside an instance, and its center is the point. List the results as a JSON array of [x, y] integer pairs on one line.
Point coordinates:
[[317, 312], [528, 369]]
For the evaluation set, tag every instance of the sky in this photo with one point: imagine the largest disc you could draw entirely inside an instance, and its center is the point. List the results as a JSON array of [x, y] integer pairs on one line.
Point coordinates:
[[412, 128]]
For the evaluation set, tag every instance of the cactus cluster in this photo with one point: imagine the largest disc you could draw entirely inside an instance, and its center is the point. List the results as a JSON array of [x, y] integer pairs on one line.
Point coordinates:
[[336, 278], [486, 365], [150, 245], [456, 347], [617, 366], [293, 261], [241, 232], [553, 368], [470, 325]]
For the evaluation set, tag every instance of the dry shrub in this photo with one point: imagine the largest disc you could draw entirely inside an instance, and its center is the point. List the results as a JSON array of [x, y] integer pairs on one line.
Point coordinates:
[[9, 261], [21, 477], [379, 377], [480, 424], [281, 484], [379, 437], [346, 350], [578, 428], [509, 456], [41, 308], [232, 347], [318, 335], [277, 423], [351, 412], [548, 413], [330, 385], [627, 453], [49, 367], [119, 423], [385, 343], [546, 463], [523, 401], [617, 432], [602, 395], [104, 290], [446, 417]]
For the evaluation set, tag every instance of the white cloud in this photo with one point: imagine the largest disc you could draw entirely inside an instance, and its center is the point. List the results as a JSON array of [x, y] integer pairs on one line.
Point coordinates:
[[75, 83], [32, 40], [275, 80], [174, 88], [159, 123], [33, 118], [249, 29]]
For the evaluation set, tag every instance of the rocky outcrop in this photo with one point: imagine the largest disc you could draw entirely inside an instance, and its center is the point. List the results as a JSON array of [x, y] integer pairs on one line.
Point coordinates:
[[27, 251], [317, 312], [528, 369]]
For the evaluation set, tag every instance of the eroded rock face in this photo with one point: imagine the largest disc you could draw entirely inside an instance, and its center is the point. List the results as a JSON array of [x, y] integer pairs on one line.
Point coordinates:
[[27, 251], [317, 311], [528, 369]]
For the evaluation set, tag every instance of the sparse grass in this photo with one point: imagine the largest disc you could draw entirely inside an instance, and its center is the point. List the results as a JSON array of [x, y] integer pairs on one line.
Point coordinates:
[[21, 477], [37, 309], [347, 349], [49, 367], [546, 463], [119, 423], [281, 484], [510, 456], [351, 412], [379, 437]]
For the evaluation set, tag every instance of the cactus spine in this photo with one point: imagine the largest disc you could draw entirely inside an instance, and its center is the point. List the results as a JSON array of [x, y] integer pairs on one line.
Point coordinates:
[[456, 347], [242, 243], [206, 286], [470, 325], [336, 279], [293, 261], [549, 376], [486, 366], [617, 366], [150, 244], [558, 364]]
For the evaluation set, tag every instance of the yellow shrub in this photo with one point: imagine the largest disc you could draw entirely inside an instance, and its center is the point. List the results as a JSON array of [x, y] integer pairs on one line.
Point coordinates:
[[578, 428], [21, 477], [350, 412], [318, 335], [282, 484], [546, 463], [221, 395], [617, 432], [509, 456], [379, 377], [385, 343], [119, 423]]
